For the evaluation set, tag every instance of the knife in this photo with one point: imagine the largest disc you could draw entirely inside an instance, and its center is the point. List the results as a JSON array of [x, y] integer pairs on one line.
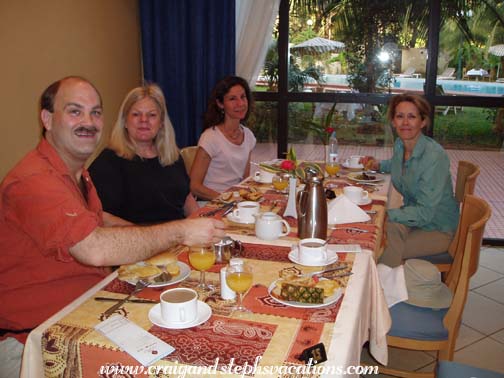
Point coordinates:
[[133, 300], [215, 211], [331, 276], [340, 267]]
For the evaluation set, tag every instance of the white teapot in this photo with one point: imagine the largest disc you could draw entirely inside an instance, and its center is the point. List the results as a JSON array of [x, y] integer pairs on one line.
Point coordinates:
[[269, 226]]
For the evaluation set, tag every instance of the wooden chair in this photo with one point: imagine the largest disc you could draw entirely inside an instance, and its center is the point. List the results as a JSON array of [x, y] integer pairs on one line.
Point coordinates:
[[188, 154], [467, 173], [418, 328]]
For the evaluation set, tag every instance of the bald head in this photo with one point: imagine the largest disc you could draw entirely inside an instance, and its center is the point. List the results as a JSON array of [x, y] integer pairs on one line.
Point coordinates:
[[49, 95]]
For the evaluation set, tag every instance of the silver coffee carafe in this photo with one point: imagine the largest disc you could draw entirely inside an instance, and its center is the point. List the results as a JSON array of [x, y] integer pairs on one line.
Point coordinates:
[[311, 206]]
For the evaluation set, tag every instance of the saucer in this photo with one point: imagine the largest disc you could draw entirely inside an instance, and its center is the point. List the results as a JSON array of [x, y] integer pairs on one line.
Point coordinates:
[[204, 313], [363, 202], [333, 257], [262, 181], [234, 219], [345, 165]]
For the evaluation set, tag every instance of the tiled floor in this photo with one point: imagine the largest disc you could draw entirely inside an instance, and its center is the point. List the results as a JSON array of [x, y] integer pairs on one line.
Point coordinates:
[[488, 186], [481, 339]]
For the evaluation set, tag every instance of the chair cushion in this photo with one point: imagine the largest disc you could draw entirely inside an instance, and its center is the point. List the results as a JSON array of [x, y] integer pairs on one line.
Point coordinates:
[[440, 258], [419, 323], [449, 369]]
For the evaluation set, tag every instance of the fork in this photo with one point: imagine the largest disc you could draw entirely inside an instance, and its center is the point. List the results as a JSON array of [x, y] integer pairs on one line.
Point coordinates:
[[140, 285]]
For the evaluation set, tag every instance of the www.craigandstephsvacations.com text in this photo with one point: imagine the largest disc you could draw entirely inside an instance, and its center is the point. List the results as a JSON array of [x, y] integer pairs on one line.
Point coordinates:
[[185, 371]]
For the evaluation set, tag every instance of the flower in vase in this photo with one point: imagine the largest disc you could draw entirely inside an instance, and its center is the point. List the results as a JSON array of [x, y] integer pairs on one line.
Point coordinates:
[[290, 166], [322, 127]]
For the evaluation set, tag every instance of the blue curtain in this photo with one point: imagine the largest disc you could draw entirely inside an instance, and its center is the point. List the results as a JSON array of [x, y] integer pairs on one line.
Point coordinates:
[[187, 46]]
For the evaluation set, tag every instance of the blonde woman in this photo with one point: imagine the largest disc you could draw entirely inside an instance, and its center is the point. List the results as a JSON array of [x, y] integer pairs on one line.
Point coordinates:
[[141, 176]]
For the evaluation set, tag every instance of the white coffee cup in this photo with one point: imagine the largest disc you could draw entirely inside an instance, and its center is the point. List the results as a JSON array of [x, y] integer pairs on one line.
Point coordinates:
[[179, 305], [264, 176], [269, 226], [312, 251], [353, 161], [246, 211], [355, 194]]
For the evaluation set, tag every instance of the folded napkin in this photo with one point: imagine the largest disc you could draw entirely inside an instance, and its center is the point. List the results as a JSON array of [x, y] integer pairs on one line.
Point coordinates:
[[393, 283], [342, 210]]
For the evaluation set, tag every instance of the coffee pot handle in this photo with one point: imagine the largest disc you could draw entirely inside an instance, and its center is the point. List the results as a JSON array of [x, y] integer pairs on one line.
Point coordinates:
[[300, 198]]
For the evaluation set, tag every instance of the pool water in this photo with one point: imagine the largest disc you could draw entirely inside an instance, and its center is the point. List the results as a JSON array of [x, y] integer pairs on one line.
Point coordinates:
[[462, 86]]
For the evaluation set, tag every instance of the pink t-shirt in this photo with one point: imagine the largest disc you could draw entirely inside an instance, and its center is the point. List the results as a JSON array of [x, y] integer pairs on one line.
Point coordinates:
[[228, 160]]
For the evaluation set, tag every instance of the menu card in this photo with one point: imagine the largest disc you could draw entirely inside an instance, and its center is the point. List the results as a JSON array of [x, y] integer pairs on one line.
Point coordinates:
[[134, 340]]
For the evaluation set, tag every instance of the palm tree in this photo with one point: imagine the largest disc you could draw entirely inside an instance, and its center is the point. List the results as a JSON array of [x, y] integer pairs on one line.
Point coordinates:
[[367, 25]]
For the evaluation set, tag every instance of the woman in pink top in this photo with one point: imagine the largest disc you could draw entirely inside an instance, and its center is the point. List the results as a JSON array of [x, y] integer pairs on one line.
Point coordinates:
[[223, 157]]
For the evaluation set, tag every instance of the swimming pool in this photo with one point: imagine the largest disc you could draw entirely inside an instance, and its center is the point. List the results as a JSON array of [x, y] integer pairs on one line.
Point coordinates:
[[462, 86]]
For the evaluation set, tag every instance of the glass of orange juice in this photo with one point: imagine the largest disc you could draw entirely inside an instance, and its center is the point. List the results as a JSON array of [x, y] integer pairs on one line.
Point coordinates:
[[332, 166], [281, 182], [202, 258], [239, 279]]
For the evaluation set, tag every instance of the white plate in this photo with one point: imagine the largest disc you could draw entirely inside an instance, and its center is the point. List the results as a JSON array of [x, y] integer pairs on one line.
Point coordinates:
[[345, 165], [353, 176], [261, 181], [327, 301], [293, 256], [234, 219], [364, 201], [204, 313], [185, 270]]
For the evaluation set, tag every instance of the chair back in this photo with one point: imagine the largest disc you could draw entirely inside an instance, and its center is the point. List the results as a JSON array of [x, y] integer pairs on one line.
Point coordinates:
[[449, 71], [188, 154], [467, 173], [474, 216]]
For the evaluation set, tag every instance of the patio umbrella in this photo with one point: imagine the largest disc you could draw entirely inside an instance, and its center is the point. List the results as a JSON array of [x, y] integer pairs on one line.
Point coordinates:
[[497, 50], [316, 46]]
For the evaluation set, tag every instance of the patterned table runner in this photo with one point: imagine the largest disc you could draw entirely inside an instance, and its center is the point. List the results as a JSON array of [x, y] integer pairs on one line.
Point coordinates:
[[274, 332]]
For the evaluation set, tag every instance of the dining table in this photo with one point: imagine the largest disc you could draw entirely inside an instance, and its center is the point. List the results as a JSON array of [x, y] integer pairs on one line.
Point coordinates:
[[272, 340]]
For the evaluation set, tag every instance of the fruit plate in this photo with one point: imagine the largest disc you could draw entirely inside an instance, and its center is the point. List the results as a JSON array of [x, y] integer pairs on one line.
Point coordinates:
[[327, 301], [358, 177]]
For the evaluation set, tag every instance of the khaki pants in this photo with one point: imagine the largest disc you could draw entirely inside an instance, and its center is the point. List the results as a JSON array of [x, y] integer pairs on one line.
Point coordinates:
[[405, 242]]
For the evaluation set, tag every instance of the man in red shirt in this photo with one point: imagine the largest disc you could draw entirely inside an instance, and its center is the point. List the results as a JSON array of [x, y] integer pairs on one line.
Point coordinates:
[[55, 240]]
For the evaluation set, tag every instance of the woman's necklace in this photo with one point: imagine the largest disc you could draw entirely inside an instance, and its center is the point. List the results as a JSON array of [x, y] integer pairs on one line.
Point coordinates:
[[233, 135]]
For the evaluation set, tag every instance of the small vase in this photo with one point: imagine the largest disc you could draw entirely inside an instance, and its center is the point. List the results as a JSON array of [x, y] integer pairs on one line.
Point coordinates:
[[326, 153], [290, 210]]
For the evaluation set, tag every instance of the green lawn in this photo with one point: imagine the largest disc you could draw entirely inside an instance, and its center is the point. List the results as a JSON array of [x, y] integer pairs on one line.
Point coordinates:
[[470, 128]]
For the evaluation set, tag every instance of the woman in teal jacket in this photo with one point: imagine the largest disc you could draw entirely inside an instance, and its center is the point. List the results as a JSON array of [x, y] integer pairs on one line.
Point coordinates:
[[420, 170]]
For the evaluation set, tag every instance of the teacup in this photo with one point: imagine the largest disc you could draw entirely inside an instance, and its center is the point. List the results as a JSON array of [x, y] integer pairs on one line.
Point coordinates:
[[179, 306], [312, 251], [353, 161], [264, 176], [269, 226], [355, 194], [246, 211]]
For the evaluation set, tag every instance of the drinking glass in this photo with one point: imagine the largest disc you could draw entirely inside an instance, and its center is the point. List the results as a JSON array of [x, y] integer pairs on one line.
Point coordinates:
[[332, 166], [239, 279], [280, 182], [202, 258]]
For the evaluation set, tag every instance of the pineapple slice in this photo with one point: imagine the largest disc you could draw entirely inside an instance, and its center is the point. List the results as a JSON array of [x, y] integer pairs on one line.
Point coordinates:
[[301, 293]]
